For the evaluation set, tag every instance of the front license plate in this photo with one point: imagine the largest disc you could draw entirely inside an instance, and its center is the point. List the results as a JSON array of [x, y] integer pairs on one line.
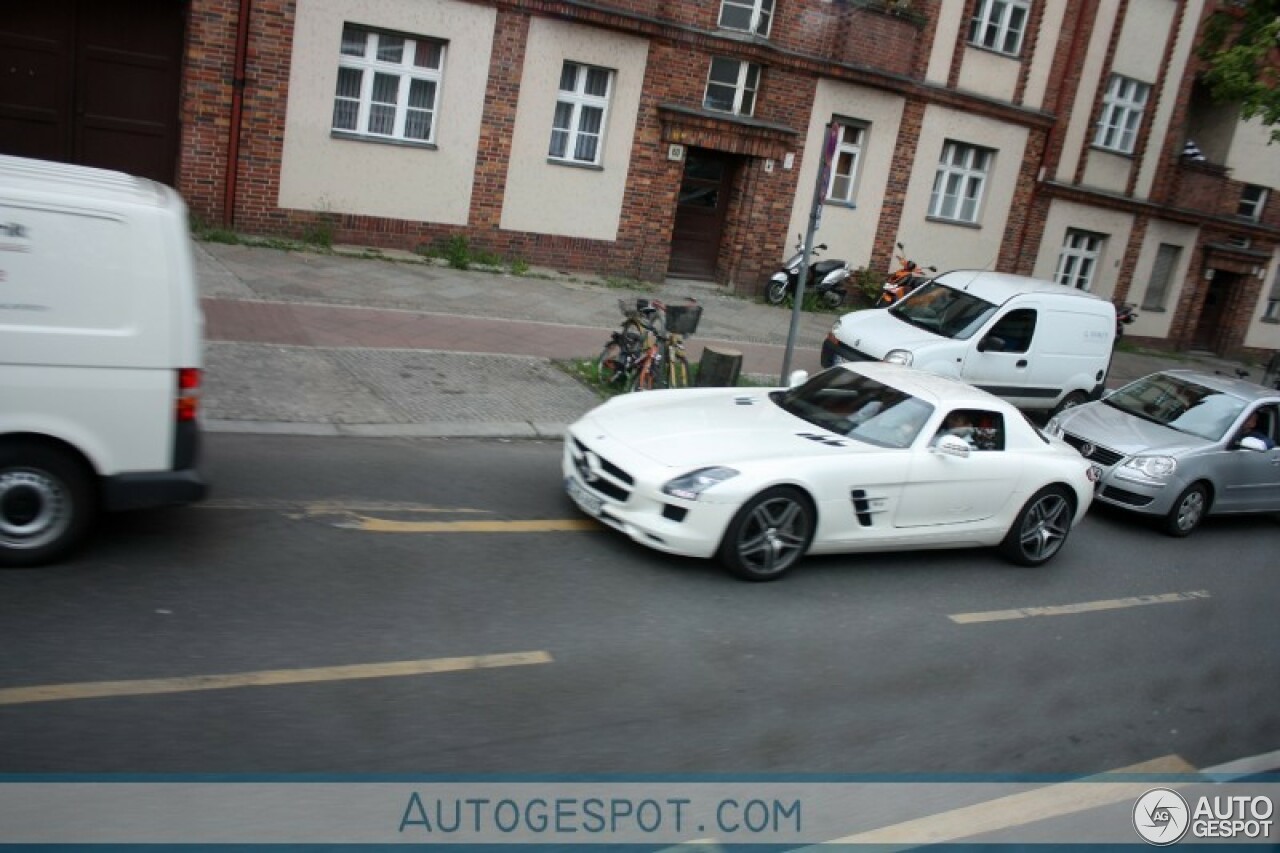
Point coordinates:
[[588, 502]]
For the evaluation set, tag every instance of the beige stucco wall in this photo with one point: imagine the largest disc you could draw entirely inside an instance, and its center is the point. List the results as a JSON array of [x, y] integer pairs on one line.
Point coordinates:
[[549, 198], [992, 75], [1260, 334], [1080, 129], [1156, 324], [1160, 110], [849, 232], [948, 245], [951, 18], [1116, 226], [1251, 159], [1042, 61], [377, 179]]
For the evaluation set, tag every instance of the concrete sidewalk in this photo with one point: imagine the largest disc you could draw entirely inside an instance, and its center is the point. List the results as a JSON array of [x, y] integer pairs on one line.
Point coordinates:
[[362, 343]]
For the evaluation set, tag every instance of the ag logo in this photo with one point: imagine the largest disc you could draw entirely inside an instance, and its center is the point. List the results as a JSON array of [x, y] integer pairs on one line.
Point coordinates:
[[1161, 816]]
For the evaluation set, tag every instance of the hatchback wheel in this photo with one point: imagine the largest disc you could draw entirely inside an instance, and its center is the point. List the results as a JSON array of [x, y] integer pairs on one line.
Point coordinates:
[[1188, 510], [1041, 527], [769, 535]]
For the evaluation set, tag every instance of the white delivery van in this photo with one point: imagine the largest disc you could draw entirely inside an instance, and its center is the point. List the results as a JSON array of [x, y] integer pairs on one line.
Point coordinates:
[[1037, 344], [100, 346]]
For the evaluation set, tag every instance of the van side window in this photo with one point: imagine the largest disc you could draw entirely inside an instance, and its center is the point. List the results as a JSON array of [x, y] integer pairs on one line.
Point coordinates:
[[1012, 332], [979, 428]]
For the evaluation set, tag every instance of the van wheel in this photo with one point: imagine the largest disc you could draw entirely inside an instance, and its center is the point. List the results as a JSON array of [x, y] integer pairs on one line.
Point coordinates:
[[46, 503], [1075, 398]]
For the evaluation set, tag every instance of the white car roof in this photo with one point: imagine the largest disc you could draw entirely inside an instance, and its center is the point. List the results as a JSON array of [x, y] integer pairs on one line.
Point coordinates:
[[938, 390], [999, 287], [24, 175]]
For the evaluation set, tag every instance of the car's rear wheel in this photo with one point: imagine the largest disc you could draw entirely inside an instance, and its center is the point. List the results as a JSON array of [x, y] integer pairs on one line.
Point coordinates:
[[46, 503], [1041, 527], [769, 534], [1188, 510]]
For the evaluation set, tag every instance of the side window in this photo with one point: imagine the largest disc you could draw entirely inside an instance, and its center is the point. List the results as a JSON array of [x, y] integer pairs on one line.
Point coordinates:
[[1013, 332], [979, 428], [1263, 423]]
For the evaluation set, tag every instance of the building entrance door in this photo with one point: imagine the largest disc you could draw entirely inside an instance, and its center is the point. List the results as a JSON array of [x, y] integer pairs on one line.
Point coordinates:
[[700, 213], [93, 82], [1209, 330]]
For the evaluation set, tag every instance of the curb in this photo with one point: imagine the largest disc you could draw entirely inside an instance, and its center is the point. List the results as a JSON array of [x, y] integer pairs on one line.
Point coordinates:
[[444, 429]]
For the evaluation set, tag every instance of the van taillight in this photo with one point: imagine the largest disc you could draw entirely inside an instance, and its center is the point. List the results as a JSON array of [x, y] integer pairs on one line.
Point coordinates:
[[188, 401]]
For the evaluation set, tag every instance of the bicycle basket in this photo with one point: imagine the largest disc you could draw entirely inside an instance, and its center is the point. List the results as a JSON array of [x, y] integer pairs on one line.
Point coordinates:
[[683, 319]]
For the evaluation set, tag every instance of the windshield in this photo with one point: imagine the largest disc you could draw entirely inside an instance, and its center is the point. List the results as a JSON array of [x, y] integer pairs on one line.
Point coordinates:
[[1179, 404], [937, 308], [852, 405]]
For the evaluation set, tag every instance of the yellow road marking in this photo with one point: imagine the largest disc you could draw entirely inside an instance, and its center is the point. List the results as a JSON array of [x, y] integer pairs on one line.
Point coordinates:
[[1084, 607], [264, 678], [1020, 809], [387, 525]]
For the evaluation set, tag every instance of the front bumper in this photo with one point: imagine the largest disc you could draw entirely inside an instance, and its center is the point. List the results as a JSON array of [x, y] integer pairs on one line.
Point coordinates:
[[1118, 488], [836, 352], [607, 490]]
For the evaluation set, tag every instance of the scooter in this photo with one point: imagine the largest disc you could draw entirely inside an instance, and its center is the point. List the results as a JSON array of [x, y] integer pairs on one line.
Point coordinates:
[[1125, 314], [907, 278], [826, 278]]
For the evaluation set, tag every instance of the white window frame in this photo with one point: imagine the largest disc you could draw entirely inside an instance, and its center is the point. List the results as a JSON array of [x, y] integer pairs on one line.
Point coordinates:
[[849, 141], [760, 13], [1252, 208], [1122, 108], [996, 23], [1272, 312], [1078, 260], [960, 182], [744, 88], [580, 103], [406, 73]]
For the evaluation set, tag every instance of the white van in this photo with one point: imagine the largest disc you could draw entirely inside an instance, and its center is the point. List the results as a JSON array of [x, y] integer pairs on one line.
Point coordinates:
[[1037, 344], [100, 345]]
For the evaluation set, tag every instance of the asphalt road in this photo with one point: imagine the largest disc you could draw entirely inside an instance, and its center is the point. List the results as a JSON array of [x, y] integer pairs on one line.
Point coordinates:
[[537, 643]]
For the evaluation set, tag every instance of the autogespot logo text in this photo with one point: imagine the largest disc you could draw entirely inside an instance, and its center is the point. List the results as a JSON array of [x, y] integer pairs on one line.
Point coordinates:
[[1161, 816]]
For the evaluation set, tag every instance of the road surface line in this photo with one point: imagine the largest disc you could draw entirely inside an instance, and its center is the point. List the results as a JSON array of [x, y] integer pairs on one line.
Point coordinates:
[[550, 525], [1084, 607], [1020, 809], [264, 678]]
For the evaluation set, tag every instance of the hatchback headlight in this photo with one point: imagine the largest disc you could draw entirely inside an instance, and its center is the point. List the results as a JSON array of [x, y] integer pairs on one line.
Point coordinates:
[[899, 356], [689, 486], [1053, 427], [1152, 467]]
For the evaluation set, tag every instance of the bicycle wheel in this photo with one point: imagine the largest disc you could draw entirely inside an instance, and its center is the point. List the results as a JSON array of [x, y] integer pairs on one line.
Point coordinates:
[[610, 365]]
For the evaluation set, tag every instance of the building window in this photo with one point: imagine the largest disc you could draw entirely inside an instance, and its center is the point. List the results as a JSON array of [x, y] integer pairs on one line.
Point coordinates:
[[1272, 314], [581, 105], [1253, 200], [1079, 259], [388, 85], [844, 168], [1122, 108], [999, 24], [1161, 274], [959, 182], [749, 16], [731, 86]]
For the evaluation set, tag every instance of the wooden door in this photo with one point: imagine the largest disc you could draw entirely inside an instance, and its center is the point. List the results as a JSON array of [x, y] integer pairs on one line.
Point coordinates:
[[700, 213]]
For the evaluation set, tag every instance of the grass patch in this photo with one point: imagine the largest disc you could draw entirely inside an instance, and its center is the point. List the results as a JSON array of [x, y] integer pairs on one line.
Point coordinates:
[[584, 370]]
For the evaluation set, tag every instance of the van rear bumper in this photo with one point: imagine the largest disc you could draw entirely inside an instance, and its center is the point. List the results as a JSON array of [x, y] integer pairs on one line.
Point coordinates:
[[152, 489]]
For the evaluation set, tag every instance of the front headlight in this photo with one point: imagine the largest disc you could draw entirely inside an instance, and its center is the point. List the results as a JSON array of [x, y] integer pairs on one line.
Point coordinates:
[[898, 356], [1152, 467], [1053, 427], [689, 486], [835, 327]]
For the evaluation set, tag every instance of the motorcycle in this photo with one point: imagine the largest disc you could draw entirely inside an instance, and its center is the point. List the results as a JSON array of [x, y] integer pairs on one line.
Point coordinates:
[[907, 278], [1125, 314], [826, 278]]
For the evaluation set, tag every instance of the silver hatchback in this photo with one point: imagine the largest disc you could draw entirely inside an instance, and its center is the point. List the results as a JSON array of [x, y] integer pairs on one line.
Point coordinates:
[[1181, 445]]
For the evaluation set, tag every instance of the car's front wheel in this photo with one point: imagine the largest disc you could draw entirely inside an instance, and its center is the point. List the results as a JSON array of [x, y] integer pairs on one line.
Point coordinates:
[[769, 534], [1041, 527], [1188, 510], [1075, 398]]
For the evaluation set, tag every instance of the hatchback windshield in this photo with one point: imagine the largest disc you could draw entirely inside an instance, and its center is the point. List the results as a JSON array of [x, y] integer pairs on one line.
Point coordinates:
[[850, 404], [944, 311], [1179, 404]]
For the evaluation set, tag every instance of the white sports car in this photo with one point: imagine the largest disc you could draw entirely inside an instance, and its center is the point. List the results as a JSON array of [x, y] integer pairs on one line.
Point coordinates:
[[860, 457]]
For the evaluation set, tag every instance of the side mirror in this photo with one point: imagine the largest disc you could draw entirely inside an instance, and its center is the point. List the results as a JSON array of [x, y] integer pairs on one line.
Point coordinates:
[[952, 445], [1251, 443], [797, 377], [822, 246]]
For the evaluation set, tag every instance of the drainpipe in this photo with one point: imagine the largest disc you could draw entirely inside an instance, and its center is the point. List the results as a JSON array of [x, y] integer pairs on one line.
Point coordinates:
[[237, 110]]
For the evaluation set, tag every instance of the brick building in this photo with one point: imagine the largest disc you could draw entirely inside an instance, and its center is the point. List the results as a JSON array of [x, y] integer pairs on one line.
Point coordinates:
[[650, 138]]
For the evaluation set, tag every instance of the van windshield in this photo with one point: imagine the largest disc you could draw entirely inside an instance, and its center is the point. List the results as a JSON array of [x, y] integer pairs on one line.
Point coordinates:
[[950, 313]]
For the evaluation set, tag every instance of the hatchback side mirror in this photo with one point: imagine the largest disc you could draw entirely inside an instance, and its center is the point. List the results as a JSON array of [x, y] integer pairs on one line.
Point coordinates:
[[797, 377]]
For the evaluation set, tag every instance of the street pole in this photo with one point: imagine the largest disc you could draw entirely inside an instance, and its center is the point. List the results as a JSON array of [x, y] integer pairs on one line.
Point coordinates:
[[829, 140]]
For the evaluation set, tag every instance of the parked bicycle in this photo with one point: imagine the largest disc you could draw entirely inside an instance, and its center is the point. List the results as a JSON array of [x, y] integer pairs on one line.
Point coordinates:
[[648, 351], [619, 360]]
